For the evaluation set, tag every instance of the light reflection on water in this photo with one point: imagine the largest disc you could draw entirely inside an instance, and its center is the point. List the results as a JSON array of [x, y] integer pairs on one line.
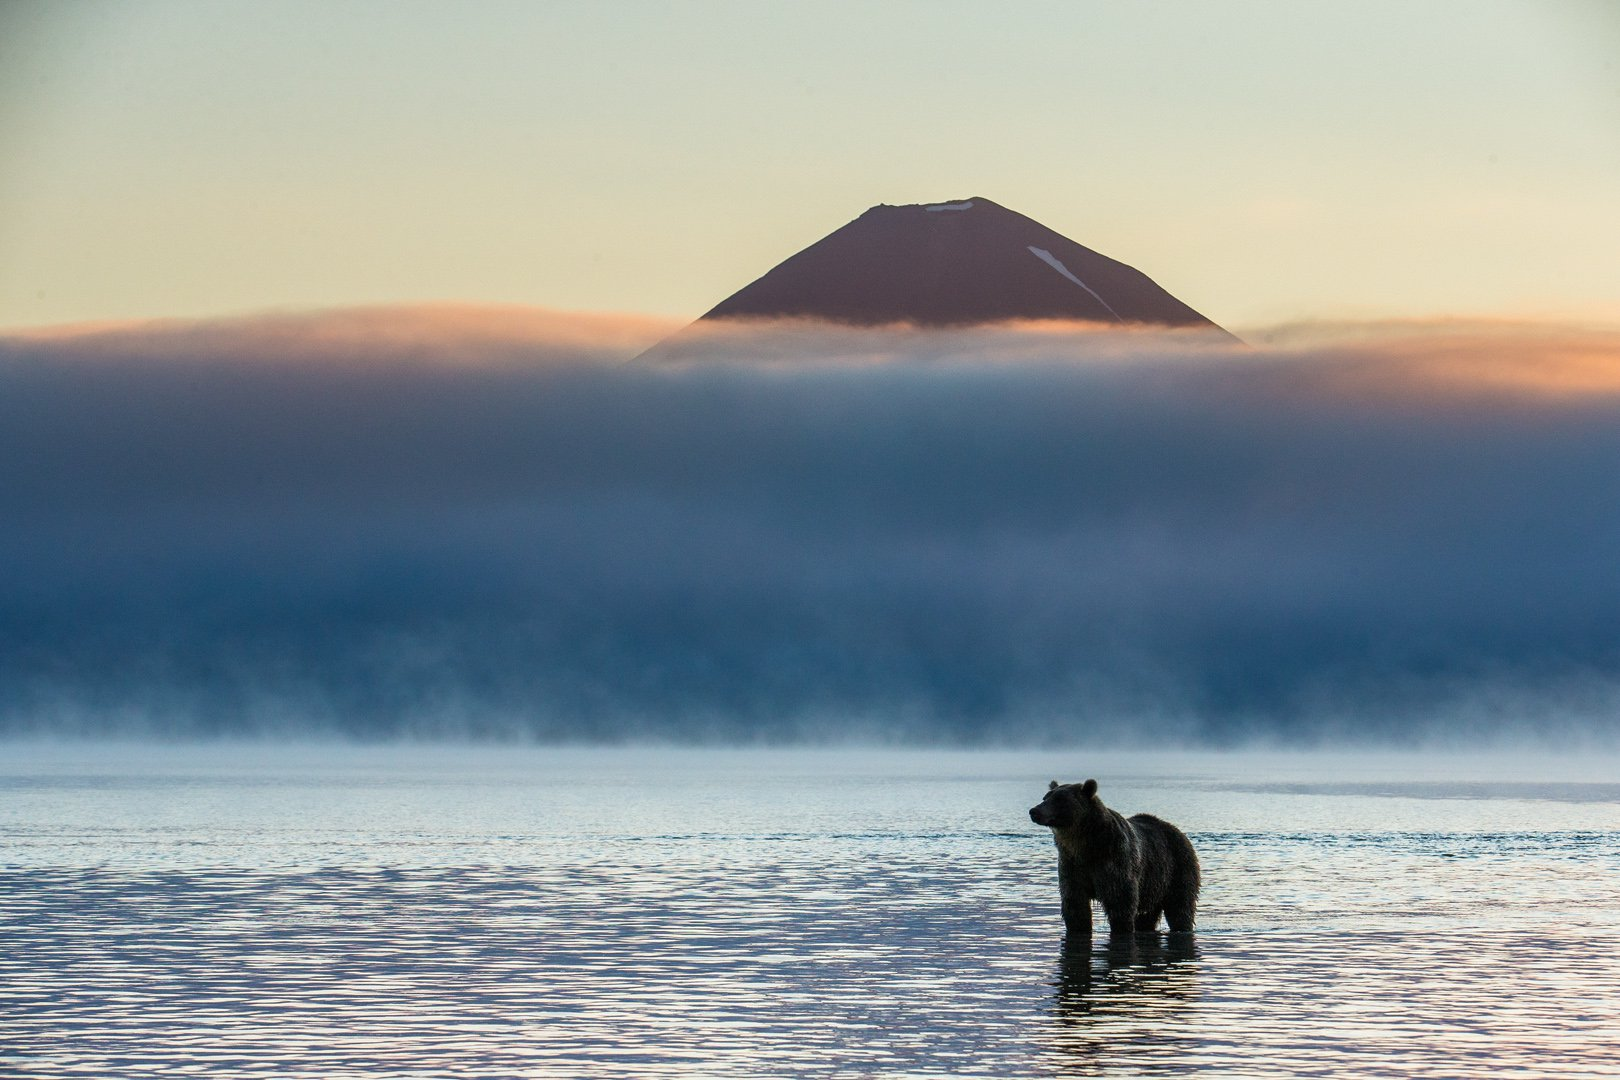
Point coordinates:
[[631, 914]]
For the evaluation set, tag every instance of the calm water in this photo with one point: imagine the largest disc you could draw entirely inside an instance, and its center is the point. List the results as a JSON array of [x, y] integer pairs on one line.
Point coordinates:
[[330, 913]]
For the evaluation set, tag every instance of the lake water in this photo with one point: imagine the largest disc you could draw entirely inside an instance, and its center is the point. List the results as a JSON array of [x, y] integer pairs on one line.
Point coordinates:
[[453, 912]]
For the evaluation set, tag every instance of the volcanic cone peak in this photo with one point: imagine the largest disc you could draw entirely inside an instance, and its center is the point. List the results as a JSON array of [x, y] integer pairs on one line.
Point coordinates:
[[953, 264]]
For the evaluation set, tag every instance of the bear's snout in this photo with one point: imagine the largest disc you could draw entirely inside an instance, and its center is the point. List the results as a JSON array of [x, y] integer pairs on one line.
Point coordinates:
[[1037, 816]]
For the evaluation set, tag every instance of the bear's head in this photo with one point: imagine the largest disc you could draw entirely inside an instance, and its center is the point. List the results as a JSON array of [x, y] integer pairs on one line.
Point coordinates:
[[1066, 805]]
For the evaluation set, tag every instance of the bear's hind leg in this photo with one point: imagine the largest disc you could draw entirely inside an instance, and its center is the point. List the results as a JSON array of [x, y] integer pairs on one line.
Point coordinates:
[[1148, 920], [1180, 914]]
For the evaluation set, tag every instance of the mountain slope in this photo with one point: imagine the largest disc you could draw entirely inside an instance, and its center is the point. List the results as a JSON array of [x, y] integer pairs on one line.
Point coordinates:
[[952, 264]]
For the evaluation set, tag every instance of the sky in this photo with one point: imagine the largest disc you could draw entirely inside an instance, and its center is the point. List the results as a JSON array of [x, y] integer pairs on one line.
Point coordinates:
[[1266, 161]]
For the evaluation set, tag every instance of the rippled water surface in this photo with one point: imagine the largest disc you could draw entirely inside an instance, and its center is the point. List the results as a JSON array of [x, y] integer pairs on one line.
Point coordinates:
[[319, 912]]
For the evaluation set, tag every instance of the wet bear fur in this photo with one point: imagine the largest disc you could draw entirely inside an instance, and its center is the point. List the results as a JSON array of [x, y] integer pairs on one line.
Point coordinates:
[[1139, 867]]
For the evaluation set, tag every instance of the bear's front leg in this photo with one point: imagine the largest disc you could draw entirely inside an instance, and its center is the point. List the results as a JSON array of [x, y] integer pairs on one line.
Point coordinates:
[[1077, 916], [1076, 901], [1120, 907]]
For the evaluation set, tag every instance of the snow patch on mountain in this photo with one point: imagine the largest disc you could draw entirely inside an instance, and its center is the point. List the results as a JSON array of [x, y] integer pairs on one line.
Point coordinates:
[[1057, 264]]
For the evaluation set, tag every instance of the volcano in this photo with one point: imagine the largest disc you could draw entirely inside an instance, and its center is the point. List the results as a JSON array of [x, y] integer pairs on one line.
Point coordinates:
[[958, 263]]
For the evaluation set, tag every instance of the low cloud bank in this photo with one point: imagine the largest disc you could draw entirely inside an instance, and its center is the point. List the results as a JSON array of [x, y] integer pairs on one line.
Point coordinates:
[[407, 523]]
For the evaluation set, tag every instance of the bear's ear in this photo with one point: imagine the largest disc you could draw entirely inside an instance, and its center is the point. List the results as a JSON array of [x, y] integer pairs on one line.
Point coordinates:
[[1053, 786], [1089, 788]]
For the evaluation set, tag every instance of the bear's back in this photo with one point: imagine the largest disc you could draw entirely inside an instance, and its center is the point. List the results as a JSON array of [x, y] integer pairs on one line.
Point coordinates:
[[1167, 853]]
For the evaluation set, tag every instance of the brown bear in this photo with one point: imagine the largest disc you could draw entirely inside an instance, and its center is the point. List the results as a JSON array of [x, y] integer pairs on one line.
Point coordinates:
[[1138, 867]]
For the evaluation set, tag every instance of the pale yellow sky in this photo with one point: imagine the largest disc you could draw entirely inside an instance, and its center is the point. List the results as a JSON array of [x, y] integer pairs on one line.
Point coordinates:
[[1264, 161]]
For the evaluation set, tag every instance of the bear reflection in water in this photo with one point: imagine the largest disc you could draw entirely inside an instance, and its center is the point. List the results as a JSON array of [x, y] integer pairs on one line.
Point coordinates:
[[1110, 1007], [1145, 969]]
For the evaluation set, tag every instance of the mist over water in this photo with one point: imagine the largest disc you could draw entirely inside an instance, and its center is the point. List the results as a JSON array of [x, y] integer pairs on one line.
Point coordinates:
[[1024, 536]]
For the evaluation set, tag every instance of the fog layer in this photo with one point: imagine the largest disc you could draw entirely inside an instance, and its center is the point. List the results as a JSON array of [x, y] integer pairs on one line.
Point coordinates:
[[1039, 533]]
